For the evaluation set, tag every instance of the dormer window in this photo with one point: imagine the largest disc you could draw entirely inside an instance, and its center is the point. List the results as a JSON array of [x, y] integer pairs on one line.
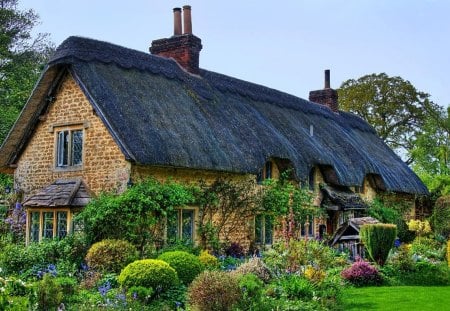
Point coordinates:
[[266, 172], [69, 148]]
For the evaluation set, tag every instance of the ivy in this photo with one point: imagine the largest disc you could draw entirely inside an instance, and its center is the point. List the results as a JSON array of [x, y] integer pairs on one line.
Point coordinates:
[[290, 204], [137, 215]]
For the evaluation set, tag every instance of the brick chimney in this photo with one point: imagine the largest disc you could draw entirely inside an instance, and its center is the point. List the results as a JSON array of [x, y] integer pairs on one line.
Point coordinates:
[[327, 96], [184, 47]]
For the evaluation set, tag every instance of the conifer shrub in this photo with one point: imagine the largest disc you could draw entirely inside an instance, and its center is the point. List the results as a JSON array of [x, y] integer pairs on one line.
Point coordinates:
[[214, 290], [187, 265], [210, 262], [378, 240], [111, 255], [448, 252], [361, 273], [148, 273]]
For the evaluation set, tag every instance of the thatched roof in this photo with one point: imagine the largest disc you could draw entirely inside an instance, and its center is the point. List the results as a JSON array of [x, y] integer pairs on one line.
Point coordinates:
[[341, 198], [161, 115], [62, 193]]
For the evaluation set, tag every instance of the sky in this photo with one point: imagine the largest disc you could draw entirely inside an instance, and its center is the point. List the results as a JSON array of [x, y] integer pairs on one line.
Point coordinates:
[[285, 45]]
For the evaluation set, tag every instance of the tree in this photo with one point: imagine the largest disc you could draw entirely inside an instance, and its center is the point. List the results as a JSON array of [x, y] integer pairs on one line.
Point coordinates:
[[392, 105], [431, 152], [21, 60]]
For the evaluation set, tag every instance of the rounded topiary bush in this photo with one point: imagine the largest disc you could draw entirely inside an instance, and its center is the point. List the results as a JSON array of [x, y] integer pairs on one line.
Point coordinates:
[[152, 273], [362, 273], [214, 290], [187, 265], [209, 261], [111, 255]]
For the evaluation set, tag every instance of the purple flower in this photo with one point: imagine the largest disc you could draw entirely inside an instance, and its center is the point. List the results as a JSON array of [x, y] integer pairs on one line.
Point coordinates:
[[104, 289]]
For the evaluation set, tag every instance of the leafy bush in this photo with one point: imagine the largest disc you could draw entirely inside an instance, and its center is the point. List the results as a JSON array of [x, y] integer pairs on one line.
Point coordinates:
[[252, 289], [111, 255], [186, 265], [27, 260], [214, 290], [298, 254], [210, 262], [361, 273], [314, 275], [140, 293], [133, 215], [67, 285], [423, 273], [378, 240], [296, 287], [48, 294], [402, 260], [440, 219], [256, 266], [152, 273], [428, 248]]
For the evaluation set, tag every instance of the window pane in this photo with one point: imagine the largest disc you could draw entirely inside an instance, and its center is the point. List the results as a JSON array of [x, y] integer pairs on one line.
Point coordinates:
[[188, 224], [61, 229], [258, 229], [77, 147], [311, 226], [48, 225], [268, 170], [268, 229], [172, 226], [63, 148], [34, 226]]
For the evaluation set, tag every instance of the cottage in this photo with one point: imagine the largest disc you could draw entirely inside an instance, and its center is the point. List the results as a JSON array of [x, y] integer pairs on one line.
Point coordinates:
[[102, 116]]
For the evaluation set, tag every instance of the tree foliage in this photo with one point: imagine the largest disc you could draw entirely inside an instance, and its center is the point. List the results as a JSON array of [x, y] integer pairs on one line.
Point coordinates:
[[21, 60], [431, 152], [392, 105]]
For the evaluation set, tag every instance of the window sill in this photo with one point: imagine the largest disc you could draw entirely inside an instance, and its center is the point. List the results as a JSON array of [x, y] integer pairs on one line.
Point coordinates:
[[68, 169]]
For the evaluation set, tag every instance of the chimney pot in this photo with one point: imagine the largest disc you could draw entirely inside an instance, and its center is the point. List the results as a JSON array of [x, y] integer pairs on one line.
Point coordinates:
[[187, 19], [177, 22], [327, 96], [327, 78]]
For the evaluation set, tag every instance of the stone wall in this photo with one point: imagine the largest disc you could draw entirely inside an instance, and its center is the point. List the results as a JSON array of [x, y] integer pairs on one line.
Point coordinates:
[[104, 167]]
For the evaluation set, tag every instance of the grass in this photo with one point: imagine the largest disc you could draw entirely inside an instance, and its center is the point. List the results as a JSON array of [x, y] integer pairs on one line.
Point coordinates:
[[397, 298]]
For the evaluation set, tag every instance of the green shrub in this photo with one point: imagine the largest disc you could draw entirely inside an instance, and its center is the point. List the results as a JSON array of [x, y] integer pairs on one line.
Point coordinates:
[[378, 240], [256, 266], [448, 253], [296, 287], [428, 248], [16, 287], [186, 265], [214, 290], [111, 255], [210, 262], [252, 289], [140, 293], [423, 274], [48, 294], [67, 285], [152, 273]]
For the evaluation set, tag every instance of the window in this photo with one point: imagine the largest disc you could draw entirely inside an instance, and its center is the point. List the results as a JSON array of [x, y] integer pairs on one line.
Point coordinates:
[[181, 225], [263, 229], [69, 149], [34, 226], [307, 228], [312, 179], [47, 225], [266, 173]]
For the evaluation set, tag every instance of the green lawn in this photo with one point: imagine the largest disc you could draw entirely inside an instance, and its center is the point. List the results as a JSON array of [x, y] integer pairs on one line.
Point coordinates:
[[397, 298]]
